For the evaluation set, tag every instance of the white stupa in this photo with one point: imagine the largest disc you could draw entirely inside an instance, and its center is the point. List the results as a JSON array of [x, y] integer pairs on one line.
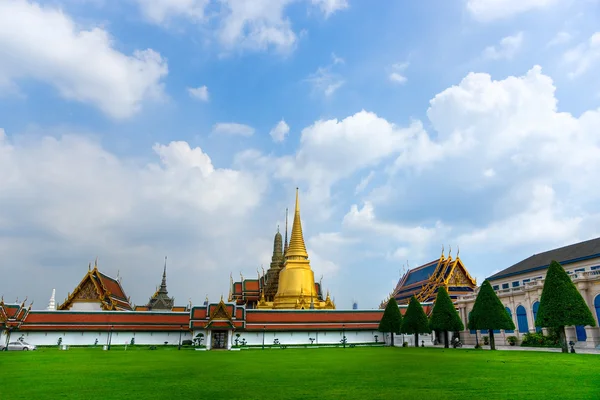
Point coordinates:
[[52, 302]]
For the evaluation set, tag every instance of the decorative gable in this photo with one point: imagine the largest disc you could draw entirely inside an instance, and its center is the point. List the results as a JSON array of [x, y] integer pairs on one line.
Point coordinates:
[[460, 277], [220, 312], [87, 292]]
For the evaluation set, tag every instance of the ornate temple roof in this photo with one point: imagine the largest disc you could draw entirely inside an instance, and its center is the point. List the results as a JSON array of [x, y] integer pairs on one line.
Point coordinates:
[[98, 286], [424, 281]]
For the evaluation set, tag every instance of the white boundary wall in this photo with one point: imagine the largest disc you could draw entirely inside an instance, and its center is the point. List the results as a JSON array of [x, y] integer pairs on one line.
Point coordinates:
[[79, 338], [297, 337]]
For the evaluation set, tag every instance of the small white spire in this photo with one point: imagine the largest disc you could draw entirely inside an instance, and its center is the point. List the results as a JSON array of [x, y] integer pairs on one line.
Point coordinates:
[[52, 302]]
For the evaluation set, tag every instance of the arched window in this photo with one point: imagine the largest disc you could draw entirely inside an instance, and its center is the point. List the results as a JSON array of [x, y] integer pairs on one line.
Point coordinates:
[[536, 307], [581, 334], [597, 305], [522, 320], [509, 316]]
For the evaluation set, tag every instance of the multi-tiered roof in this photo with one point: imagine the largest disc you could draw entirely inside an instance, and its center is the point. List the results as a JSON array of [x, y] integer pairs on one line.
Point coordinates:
[[423, 282]]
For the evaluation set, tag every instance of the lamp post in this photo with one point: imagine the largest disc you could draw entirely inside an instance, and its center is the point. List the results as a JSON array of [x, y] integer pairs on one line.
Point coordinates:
[[263, 344], [180, 331]]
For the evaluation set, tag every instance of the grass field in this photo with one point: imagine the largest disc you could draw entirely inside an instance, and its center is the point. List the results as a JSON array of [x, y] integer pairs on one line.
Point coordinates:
[[351, 373]]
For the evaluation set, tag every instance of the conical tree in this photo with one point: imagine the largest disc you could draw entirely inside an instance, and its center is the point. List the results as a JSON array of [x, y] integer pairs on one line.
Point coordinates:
[[444, 316], [489, 313], [415, 321], [561, 304], [391, 320]]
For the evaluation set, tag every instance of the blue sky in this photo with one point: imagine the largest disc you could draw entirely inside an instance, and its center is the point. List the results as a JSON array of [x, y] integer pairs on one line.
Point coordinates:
[[137, 129]]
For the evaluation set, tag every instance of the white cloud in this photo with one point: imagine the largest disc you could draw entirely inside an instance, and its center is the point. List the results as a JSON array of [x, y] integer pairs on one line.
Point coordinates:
[[279, 131], [541, 220], [336, 59], [46, 45], [396, 75], [507, 48], [328, 7], [161, 11], [200, 93], [364, 182], [75, 200], [488, 10], [561, 37], [255, 25], [325, 81], [584, 56], [232, 128], [365, 220]]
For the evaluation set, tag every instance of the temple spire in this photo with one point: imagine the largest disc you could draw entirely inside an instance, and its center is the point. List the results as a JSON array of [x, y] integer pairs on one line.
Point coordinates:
[[163, 284], [297, 248], [285, 245]]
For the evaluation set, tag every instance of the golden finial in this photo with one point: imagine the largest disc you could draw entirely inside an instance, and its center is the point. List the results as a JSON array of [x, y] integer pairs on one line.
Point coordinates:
[[407, 265], [263, 269], [241, 276], [206, 299], [89, 266], [442, 251], [297, 248], [221, 297], [449, 251], [231, 277], [457, 251], [96, 263]]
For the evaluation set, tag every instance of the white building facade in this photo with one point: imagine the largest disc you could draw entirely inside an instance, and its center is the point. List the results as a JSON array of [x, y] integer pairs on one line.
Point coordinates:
[[519, 287]]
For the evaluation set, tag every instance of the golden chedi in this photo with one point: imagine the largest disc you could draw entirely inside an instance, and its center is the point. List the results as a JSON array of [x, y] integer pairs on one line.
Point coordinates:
[[296, 288]]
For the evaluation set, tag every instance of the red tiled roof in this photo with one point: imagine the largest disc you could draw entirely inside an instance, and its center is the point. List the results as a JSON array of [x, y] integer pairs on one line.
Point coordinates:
[[309, 316]]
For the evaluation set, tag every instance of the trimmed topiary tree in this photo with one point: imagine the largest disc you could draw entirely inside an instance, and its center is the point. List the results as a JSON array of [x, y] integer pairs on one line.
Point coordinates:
[[415, 321], [391, 319], [489, 313], [444, 316], [561, 304]]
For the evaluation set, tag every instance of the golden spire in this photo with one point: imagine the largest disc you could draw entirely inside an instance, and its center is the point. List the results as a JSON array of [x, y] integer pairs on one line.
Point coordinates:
[[285, 245], [442, 251], [457, 251], [297, 248]]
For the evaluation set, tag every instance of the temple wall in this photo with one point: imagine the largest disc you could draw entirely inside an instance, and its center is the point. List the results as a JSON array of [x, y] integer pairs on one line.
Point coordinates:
[[295, 338], [88, 338]]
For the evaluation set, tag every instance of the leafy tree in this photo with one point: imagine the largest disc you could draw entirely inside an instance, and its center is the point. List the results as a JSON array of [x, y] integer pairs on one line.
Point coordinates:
[[489, 313], [391, 319], [444, 316], [561, 304], [415, 321]]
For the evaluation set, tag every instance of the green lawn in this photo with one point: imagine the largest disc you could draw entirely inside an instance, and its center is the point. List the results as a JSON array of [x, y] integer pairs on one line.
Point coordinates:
[[335, 373]]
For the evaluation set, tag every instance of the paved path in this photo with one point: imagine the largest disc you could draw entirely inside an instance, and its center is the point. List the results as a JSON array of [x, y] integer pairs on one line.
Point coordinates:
[[545, 349]]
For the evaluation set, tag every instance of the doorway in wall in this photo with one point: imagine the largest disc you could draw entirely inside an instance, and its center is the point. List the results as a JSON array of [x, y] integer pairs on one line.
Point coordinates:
[[219, 340]]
